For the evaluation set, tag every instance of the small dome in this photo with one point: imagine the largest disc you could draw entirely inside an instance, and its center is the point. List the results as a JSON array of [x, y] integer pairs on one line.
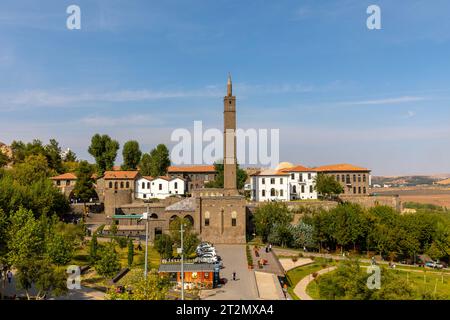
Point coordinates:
[[284, 165]]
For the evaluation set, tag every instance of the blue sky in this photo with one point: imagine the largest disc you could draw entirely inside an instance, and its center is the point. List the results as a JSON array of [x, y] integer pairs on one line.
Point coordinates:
[[337, 91]]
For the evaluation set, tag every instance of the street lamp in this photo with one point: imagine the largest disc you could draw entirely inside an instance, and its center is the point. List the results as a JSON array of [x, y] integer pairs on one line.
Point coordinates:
[[182, 260], [146, 217]]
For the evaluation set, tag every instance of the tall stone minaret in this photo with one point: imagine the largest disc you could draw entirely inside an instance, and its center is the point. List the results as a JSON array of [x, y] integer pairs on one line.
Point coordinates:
[[229, 143]]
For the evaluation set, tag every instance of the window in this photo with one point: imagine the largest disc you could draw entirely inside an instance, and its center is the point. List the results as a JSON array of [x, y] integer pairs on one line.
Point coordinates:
[[364, 178], [127, 184], [309, 176], [160, 186], [67, 182], [337, 178], [359, 178], [348, 178], [206, 275], [148, 185], [233, 218], [263, 193], [364, 190], [58, 183], [300, 177], [292, 176], [121, 185], [311, 189], [272, 192], [354, 178], [263, 181], [281, 192], [354, 190], [145, 196], [294, 189], [115, 185], [207, 215], [272, 180], [303, 189], [143, 185], [359, 190], [343, 178], [176, 185], [281, 180]]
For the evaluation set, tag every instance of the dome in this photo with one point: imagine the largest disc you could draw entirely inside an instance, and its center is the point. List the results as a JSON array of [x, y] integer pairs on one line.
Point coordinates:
[[284, 165]]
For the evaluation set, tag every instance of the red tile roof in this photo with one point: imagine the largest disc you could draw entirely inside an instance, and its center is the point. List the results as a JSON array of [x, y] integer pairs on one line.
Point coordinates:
[[340, 167], [120, 174], [65, 176], [189, 169], [298, 168]]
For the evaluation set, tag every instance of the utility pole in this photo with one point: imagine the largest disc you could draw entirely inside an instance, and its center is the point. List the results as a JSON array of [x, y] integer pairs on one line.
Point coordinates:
[[182, 261], [146, 242]]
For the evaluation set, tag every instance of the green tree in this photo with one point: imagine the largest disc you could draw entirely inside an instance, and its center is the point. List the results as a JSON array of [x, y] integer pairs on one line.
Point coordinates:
[[327, 186], [3, 159], [70, 156], [60, 249], [154, 287], [107, 264], [93, 248], [84, 186], [130, 253], [53, 154], [303, 235], [281, 234], [164, 246], [159, 161], [175, 227], [104, 150], [241, 177], [131, 155], [145, 166], [32, 169], [267, 215], [190, 243]]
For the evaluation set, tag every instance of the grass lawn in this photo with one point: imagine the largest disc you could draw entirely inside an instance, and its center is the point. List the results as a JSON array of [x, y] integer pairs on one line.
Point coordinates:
[[295, 275], [422, 281]]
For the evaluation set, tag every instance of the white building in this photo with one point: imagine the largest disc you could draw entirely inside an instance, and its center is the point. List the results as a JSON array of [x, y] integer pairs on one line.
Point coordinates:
[[285, 183], [160, 187]]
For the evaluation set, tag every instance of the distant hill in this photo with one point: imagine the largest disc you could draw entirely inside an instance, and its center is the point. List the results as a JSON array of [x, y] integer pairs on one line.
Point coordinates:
[[445, 182], [406, 180]]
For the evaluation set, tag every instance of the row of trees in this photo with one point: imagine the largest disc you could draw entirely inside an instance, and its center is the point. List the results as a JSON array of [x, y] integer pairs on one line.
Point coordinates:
[[38, 248], [350, 227]]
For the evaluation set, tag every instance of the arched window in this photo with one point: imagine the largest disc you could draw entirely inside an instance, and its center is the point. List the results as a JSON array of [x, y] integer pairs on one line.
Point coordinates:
[[143, 185], [294, 189], [110, 185], [127, 184], [121, 185], [148, 185], [233, 218], [153, 216], [207, 216], [272, 192], [115, 185]]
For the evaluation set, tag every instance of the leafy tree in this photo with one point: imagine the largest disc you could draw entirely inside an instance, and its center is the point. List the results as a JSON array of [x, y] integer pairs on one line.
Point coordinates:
[[131, 155], [53, 154], [4, 226], [145, 166], [159, 161], [70, 156], [241, 177], [327, 186], [302, 235], [190, 243], [154, 287], [60, 249], [104, 150], [267, 215], [130, 253], [93, 248], [164, 246], [281, 234], [175, 227], [3, 159], [107, 264], [84, 186], [34, 168]]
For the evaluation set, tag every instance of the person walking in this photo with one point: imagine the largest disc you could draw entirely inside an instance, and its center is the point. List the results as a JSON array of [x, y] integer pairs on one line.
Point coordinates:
[[234, 275], [9, 275], [270, 247]]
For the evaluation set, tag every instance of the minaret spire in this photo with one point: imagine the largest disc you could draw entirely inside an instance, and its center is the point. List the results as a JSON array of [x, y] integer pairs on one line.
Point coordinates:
[[229, 86]]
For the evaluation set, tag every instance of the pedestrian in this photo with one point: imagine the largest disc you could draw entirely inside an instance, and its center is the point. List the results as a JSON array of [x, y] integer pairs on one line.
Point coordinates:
[[234, 275], [9, 275], [270, 247]]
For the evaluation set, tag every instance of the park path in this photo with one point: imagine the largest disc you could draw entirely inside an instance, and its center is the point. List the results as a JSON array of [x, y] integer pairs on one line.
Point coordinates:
[[300, 288]]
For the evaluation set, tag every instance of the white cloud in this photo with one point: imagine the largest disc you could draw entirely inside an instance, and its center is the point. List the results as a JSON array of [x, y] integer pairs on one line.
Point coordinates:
[[396, 100]]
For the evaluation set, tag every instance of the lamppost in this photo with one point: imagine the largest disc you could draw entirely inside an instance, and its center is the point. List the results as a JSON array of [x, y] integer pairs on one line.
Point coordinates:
[[146, 217]]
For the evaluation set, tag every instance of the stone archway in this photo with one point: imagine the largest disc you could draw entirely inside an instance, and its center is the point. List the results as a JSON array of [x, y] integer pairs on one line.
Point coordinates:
[[190, 219]]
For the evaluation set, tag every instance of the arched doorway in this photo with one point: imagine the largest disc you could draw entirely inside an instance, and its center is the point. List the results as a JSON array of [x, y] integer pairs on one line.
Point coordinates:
[[190, 219], [153, 216]]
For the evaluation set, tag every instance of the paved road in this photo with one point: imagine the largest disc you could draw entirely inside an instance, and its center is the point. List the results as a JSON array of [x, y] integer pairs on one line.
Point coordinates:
[[244, 288]]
